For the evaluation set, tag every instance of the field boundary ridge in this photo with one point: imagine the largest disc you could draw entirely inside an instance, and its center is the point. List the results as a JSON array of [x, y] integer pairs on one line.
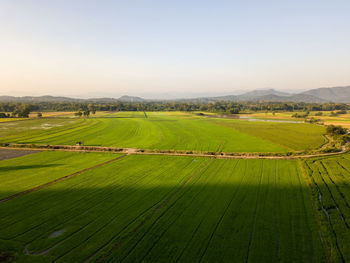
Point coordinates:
[[128, 151]]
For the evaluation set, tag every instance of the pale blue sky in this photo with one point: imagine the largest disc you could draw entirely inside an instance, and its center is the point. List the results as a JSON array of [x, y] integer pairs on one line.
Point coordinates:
[[98, 48]]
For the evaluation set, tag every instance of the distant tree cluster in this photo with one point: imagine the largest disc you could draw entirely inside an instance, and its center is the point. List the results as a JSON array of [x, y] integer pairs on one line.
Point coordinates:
[[339, 134], [301, 115], [5, 115], [21, 111], [85, 113], [334, 114], [17, 110], [336, 130]]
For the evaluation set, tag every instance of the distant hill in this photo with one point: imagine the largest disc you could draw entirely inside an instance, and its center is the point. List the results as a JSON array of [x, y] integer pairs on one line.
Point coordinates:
[[29, 99], [131, 99], [292, 98], [321, 95], [259, 93], [336, 94], [248, 96]]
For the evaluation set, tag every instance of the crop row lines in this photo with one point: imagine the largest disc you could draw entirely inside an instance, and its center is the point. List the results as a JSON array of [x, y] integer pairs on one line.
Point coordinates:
[[311, 174], [159, 207], [57, 180], [156, 221], [117, 213]]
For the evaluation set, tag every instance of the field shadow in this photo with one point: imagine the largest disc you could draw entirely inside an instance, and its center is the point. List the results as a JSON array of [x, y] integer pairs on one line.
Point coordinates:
[[226, 220], [24, 167]]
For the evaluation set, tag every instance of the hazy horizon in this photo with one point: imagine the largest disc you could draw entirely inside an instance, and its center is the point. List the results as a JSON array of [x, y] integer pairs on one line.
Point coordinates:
[[145, 95], [175, 49]]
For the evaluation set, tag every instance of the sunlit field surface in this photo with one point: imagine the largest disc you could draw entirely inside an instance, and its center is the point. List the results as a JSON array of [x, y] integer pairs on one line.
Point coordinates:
[[52, 114], [166, 131], [10, 119], [294, 136], [163, 209], [23, 173]]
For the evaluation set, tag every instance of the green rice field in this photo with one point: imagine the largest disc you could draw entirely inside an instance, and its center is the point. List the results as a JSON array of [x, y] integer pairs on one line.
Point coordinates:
[[23, 173], [166, 131], [66, 206], [166, 209], [330, 182]]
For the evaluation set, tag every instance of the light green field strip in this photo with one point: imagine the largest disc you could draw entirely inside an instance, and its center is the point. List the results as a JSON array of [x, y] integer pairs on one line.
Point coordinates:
[[26, 172], [167, 209], [54, 134], [158, 131], [330, 179], [295, 136], [12, 131], [123, 114], [10, 119]]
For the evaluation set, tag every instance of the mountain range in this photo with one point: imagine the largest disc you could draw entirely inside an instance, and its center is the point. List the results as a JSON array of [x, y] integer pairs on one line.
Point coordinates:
[[320, 95]]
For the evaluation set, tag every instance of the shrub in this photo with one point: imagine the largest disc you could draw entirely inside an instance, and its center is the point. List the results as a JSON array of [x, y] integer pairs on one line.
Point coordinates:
[[312, 120], [4, 115], [336, 130], [300, 115], [7, 256]]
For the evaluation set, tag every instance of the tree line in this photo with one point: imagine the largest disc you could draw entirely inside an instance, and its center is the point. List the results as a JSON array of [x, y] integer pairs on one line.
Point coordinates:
[[8, 109]]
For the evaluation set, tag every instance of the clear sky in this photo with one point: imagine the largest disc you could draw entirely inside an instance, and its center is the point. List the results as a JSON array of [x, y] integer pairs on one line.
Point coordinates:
[[138, 47]]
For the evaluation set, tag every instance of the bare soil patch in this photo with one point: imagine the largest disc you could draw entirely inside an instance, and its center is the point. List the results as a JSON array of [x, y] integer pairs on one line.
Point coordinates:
[[57, 233], [12, 153]]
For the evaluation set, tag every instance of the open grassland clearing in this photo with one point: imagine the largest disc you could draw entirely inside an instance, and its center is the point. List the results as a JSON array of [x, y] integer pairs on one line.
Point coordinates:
[[270, 115], [326, 117], [330, 180], [52, 114], [26, 172], [167, 209], [342, 121], [288, 114], [167, 131]]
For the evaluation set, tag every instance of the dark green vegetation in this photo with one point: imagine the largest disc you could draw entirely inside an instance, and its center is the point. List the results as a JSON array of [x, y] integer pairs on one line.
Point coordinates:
[[330, 180], [166, 209], [338, 134], [336, 130], [166, 131], [226, 104]]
